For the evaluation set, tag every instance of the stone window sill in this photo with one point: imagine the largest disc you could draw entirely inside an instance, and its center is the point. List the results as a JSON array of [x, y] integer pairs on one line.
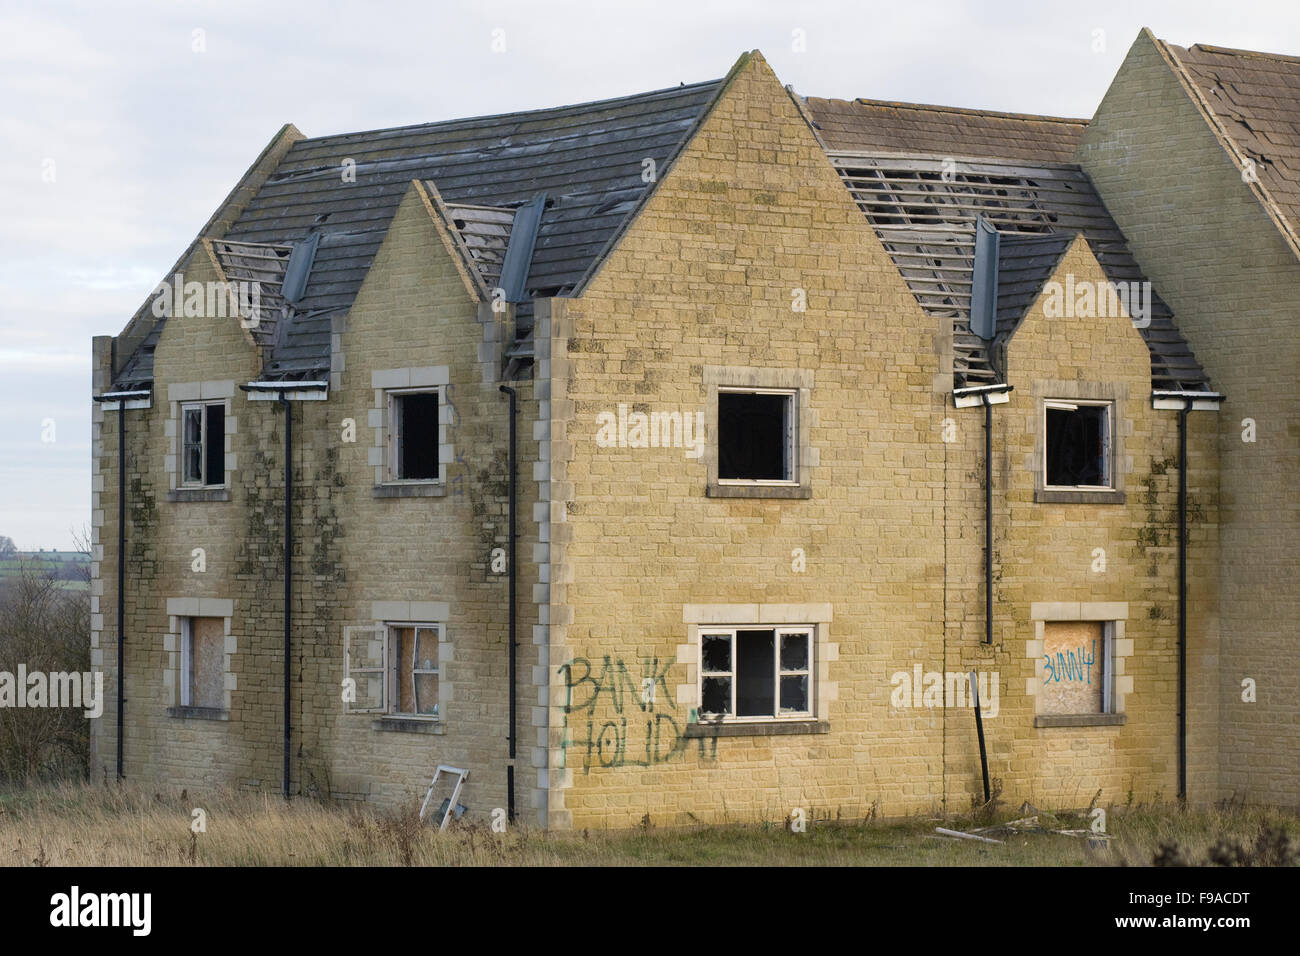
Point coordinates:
[[408, 725], [1080, 720], [199, 713], [1063, 496], [714, 490], [767, 729], [199, 494], [433, 489]]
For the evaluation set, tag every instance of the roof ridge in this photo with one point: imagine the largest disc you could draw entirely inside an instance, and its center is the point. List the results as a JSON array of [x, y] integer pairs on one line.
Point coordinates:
[[967, 111], [486, 117], [1234, 51]]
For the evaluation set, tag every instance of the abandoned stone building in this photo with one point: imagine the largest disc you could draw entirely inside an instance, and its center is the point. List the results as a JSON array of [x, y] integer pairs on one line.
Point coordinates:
[[700, 454]]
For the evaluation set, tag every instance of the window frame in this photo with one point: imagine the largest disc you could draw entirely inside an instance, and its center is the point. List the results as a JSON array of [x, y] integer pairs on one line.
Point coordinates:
[[1108, 443], [791, 456], [1107, 662], [203, 407], [392, 652], [779, 631], [389, 669], [393, 436]]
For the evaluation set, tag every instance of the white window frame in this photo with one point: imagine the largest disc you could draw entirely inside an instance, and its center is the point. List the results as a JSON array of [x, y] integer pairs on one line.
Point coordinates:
[[808, 631], [368, 632], [202, 406], [187, 659], [791, 437], [389, 670], [394, 435], [1107, 445]]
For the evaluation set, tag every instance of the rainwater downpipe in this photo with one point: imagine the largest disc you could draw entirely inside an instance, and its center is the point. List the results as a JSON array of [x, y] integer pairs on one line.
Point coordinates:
[[121, 577], [1182, 600], [121, 398], [288, 571], [280, 389], [1184, 402], [988, 534], [510, 561]]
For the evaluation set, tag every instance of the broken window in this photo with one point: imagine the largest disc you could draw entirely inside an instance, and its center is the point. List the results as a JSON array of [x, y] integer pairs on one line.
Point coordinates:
[[392, 669], [203, 662], [1077, 440], [414, 652], [756, 435], [203, 444], [755, 673], [365, 668], [414, 439], [1074, 673]]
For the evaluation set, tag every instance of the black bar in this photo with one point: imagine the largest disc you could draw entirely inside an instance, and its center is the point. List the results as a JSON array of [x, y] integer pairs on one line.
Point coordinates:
[[979, 730]]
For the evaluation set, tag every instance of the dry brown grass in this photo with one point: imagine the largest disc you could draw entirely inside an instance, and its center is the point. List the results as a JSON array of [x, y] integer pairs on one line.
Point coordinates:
[[96, 825]]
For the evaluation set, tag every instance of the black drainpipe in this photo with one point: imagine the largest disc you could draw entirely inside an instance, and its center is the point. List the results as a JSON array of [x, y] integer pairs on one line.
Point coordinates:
[[121, 399], [988, 529], [288, 570], [1182, 600], [510, 558], [121, 575], [988, 581], [280, 388]]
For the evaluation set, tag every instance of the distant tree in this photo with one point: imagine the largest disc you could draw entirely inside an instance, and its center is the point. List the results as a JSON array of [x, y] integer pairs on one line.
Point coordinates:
[[43, 627], [7, 547]]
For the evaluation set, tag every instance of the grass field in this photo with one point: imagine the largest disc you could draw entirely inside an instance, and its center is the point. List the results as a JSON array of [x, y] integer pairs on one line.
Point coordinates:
[[89, 825], [69, 568]]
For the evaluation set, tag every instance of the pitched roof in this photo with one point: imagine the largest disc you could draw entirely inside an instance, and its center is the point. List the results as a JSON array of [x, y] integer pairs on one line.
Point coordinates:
[[589, 159], [922, 189], [1256, 99], [879, 125]]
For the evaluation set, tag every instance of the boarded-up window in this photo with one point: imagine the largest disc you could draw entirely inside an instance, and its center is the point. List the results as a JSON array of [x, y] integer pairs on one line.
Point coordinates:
[[415, 670], [1072, 671], [203, 657]]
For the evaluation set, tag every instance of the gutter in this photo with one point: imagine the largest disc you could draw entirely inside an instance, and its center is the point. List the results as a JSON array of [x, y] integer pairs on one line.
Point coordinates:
[[123, 401], [315, 391], [510, 559]]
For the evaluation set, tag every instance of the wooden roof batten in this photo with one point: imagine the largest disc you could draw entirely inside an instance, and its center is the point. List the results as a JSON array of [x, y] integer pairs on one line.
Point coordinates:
[[924, 208]]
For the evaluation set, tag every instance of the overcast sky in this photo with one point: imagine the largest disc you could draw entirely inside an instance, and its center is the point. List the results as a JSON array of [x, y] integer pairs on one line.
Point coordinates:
[[123, 128]]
